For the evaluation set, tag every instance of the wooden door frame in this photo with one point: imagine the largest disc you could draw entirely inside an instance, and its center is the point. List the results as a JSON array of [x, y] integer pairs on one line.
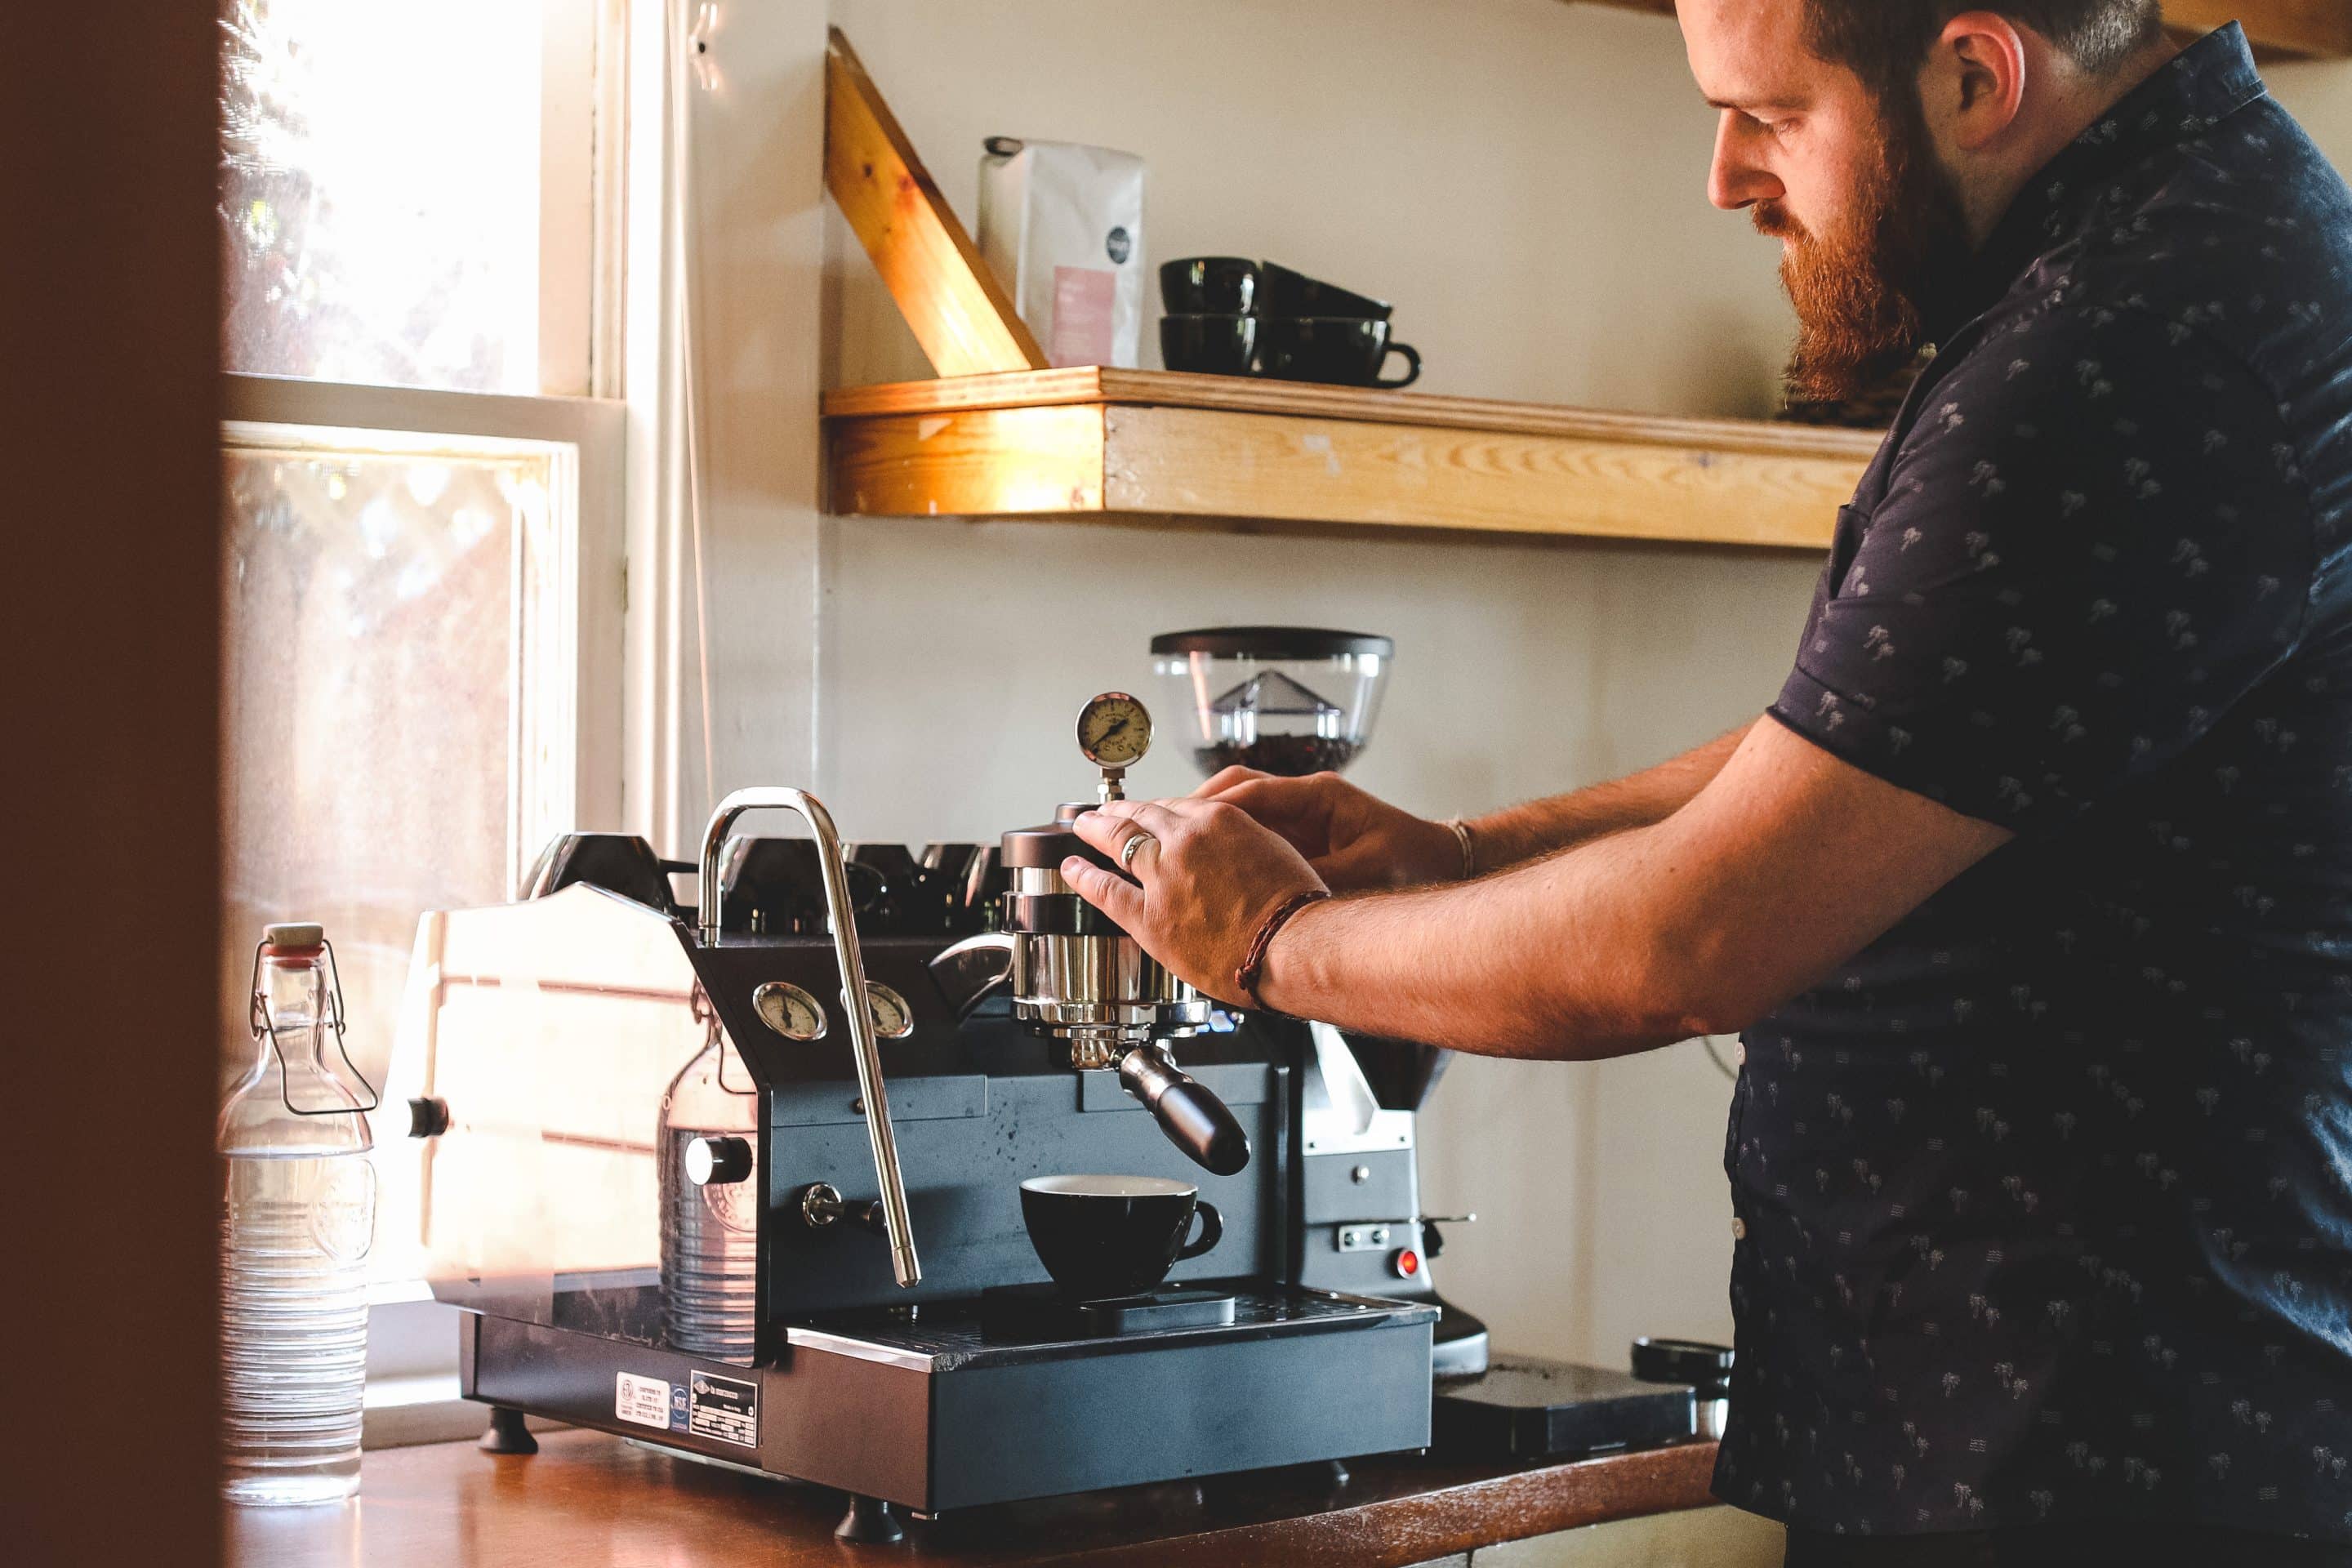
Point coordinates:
[[109, 610]]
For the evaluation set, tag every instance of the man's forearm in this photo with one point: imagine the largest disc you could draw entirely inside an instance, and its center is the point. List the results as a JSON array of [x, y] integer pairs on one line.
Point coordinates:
[[1562, 958], [1791, 862], [1523, 833]]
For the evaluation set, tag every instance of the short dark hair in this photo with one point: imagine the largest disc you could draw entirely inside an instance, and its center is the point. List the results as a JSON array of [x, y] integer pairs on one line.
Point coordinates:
[[1886, 42]]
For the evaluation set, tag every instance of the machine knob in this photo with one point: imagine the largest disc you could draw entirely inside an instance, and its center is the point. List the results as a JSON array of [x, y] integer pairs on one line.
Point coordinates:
[[718, 1162], [820, 1205], [428, 1117]]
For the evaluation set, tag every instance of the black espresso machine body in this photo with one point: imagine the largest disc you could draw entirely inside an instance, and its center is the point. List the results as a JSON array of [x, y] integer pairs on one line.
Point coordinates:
[[538, 1036]]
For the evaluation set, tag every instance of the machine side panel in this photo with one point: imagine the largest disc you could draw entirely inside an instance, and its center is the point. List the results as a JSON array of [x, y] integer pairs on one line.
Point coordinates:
[[843, 1421], [1042, 1429], [1385, 1200], [576, 1377]]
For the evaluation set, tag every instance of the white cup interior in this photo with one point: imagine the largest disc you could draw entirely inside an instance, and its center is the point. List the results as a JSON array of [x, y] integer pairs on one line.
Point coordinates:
[[1106, 1186]]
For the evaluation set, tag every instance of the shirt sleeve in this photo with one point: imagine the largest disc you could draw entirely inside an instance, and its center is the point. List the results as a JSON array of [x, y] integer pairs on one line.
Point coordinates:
[[2095, 540]]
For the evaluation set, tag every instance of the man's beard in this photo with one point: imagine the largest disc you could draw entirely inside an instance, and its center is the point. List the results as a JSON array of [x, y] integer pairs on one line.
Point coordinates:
[[1860, 293]]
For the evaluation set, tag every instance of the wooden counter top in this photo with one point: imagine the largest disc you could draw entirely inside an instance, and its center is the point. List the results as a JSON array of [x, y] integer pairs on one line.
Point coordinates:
[[588, 1498]]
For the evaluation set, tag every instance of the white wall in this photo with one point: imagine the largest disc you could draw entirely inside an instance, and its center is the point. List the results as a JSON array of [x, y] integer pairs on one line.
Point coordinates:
[[1525, 178]]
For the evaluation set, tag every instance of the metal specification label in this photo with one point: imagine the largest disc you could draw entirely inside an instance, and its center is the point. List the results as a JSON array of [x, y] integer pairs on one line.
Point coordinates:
[[644, 1401], [727, 1408]]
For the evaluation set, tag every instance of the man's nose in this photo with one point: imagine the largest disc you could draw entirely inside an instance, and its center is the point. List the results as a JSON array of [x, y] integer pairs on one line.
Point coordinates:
[[1735, 179]]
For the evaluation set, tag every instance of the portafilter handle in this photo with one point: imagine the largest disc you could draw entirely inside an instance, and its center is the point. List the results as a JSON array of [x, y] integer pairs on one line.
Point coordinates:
[[903, 1265], [1194, 1119]]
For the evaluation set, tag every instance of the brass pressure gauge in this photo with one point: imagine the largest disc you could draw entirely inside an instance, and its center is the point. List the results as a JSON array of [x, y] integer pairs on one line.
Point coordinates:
[[1114, 731], [789, 1010]]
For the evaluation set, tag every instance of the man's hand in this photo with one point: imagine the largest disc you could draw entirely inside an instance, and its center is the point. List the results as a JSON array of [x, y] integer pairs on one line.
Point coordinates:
[[1351, 839], [1208, 876]]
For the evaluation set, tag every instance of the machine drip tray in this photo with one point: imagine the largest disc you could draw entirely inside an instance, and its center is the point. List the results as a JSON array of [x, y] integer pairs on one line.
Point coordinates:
[[1031, 1311]]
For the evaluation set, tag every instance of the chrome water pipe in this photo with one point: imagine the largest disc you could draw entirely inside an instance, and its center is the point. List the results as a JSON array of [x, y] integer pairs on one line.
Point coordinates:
[[903, 1265]]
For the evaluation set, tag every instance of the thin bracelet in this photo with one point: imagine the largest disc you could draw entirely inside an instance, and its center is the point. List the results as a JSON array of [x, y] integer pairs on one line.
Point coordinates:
[[1469, 847], [1246, 978]]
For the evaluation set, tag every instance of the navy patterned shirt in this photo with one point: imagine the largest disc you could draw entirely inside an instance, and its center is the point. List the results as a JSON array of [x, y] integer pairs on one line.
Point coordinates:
[[2045, 1200]]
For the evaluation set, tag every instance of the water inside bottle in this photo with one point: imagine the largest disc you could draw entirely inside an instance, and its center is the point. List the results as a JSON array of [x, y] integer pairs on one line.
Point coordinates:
[[710, 1261], [294, 1325]]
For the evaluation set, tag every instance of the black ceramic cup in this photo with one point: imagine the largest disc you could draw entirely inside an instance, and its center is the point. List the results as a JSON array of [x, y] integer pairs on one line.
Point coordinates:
[[1283, 292], [1338, 349], [1210, 345], [1208, 286], [1106, 1236]]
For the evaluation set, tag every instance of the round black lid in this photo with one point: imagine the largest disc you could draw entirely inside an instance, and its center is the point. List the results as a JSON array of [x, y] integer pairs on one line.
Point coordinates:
[[1273, 642], [1682, 1361]]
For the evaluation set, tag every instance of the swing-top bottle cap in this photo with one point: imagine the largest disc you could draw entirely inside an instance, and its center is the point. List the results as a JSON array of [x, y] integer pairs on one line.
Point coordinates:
[[293, 934]]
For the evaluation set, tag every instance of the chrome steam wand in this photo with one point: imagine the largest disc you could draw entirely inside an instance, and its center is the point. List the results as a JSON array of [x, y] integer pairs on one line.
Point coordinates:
[[903, 1265]]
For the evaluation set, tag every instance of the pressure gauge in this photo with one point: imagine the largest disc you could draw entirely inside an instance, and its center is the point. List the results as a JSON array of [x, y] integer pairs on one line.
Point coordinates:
[[1114, 730], [790, 1011], [893, 1019]]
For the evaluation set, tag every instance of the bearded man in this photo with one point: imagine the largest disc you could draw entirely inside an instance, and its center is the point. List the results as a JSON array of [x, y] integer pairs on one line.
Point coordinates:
[[2032, 891]]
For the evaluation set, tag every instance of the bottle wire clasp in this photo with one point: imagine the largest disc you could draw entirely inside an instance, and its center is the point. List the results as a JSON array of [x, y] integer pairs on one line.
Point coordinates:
[[265, 1028], [700, 1005]]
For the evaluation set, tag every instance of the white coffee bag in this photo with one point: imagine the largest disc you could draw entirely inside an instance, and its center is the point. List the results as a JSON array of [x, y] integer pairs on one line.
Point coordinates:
[[1061, 224]]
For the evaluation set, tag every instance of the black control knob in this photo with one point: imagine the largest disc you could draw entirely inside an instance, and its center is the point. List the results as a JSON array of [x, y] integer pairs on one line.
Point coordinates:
[[427, 1117], [718, 1162]]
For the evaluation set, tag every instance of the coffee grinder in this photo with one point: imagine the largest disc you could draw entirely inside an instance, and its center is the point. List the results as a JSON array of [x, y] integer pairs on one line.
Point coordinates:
[[1294, 700]]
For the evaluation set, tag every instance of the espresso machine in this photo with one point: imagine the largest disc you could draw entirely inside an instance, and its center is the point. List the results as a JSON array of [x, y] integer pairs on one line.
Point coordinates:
[[812, 1262]]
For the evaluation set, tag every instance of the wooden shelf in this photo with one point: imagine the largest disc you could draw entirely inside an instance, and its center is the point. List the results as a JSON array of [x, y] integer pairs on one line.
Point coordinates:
[[1106, 442], [2281, 30]]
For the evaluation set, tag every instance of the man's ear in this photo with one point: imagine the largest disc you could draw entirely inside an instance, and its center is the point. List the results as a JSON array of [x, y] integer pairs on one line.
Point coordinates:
[[1973, 85]]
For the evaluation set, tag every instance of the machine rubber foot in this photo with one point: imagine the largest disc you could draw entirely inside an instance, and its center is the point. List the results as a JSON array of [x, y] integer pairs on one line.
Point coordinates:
[[506, 1434], [870, 1521]]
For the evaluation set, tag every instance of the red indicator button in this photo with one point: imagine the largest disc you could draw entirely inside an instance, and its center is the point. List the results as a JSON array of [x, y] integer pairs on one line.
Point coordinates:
[[1407, 1264]]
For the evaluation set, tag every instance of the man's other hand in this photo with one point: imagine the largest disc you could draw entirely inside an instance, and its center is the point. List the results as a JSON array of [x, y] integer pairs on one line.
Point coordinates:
[[1351, 839], [1205, 879]]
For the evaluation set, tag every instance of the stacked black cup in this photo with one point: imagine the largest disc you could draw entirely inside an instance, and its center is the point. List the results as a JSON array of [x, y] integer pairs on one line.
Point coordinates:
[[1230, 316]]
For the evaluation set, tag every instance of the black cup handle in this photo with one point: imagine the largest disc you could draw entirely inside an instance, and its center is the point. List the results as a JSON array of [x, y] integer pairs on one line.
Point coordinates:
[[1412, 372], [1212, 1231]]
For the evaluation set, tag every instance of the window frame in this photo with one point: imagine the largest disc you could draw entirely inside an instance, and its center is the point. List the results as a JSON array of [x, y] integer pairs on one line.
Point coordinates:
[[589, 237], [412, 1388]]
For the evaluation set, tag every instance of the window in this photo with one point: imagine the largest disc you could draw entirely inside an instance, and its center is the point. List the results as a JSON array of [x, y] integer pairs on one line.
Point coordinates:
[[406, 190], [422, 664], [422, 510]]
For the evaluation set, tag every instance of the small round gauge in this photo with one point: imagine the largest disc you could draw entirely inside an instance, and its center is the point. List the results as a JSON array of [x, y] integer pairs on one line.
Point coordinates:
[[1114, 730], [790, 1011], [893, 1019]]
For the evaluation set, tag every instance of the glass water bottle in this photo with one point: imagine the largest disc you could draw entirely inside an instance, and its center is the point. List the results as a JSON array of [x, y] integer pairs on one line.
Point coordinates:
[[709, 1217], [300, 1216]]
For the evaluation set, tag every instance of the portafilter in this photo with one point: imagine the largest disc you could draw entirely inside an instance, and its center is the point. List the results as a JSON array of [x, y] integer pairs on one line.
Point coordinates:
[[1077, 976]]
